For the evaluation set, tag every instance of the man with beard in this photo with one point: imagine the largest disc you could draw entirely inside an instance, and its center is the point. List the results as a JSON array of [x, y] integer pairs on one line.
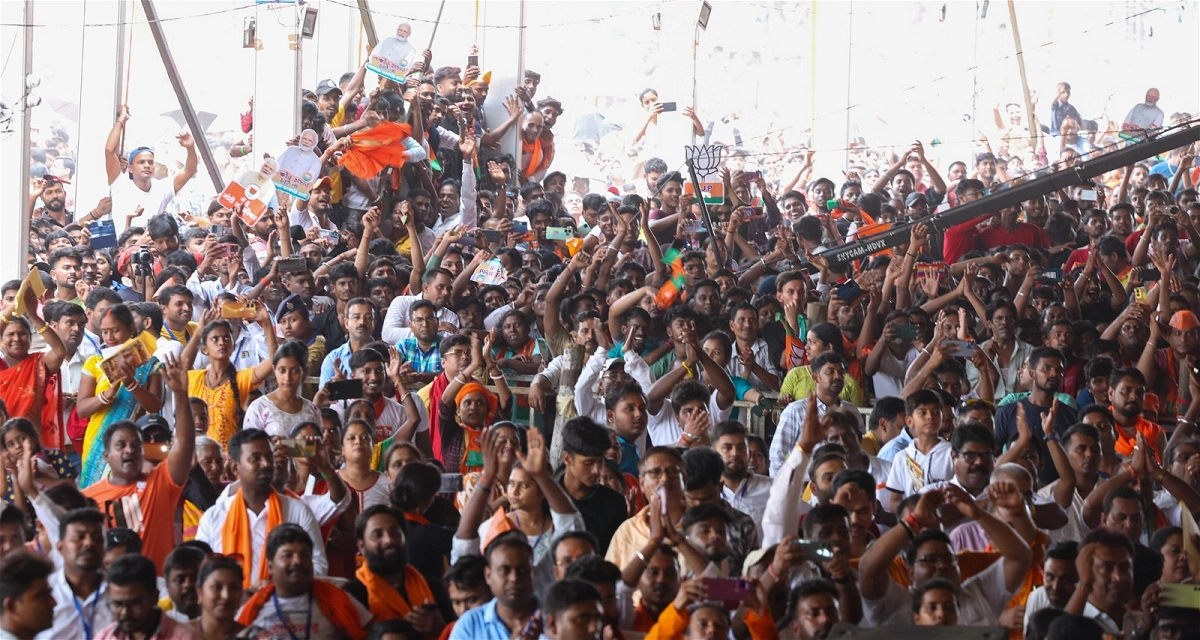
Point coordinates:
[[436, 288], [243, 517], [68, 321], [814, 610], [1105, 566], [703, 468], [1004, 350], [386, 583], [1007, 230], [573, 610], [510, 575], [1126, 397], [1168, 370], [180, 571], [584, 444], [314, 212], [829, 370], [54, 196], [80, 592], [705, 527], [157, 493], [1046, 365], [359, 324], [741, 488], [793, 562], [65, 267], [390, 417], [133, 598], [293, 603], [855, 491], [751, 357]]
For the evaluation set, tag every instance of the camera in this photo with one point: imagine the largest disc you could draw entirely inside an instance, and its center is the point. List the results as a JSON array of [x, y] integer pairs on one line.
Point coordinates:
[[143, 257]]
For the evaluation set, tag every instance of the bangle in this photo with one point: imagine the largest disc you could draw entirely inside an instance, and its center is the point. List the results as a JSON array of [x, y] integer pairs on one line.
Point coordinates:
[[496, 377], [907, 529], [104, 402], [914, 527], [1180, 421], [42, 329], [1020, 293], [911, 255], [641, 556], [689, 437], [771, 570], [327, 475], [1053, 437], [265, 281]]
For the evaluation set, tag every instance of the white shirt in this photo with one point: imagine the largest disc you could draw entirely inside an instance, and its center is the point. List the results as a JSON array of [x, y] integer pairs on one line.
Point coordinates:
[[397, 317], [390, 420], [265, 415], [735, 367], [1075, 528], [127, 197], [889, 380], [983, 598], [912, 470], [68, 621], [750, 497], [305, 218], [781, 517], [297, 611], [1145, 116], [664, 427], [1037, 601], [1008, 375], [294, 511]]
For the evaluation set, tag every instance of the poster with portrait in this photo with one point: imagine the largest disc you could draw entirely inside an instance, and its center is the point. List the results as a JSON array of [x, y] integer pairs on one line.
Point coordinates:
[[250, 194], [299, 166]]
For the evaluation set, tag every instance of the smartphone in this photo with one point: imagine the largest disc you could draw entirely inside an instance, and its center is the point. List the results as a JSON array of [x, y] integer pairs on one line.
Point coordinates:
[[727, 589], [584, 229], [752, 213], [1184, 596], [345, 390], [472, 61], [451, 483], [1140, 295], [1088, 194], [961, 348], [752, 176], [693, 226], [491, 235], [558, 233], [238, 311], [292, 265], [1150, 273], [668, 106], [520, 227], [219, 230], [1050, 275], [331, 235], [816, 550], [297, 448], [905, 331]]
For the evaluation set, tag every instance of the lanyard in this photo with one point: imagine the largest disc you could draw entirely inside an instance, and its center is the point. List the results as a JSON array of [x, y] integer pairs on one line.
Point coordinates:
[[99, 348], [89, 623], [186, 337], [283, 621]]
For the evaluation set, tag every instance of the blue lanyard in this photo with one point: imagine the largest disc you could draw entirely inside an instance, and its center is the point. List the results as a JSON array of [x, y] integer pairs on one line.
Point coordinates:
[[186, 339], [283, 621], [89, 624], [99, 348]]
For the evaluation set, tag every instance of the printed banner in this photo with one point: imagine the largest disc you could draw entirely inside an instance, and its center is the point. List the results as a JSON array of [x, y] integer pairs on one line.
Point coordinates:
[[707, 160], [299, 166]]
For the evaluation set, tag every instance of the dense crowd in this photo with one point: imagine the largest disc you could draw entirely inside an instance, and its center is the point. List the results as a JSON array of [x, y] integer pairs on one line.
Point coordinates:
[[454, 392]]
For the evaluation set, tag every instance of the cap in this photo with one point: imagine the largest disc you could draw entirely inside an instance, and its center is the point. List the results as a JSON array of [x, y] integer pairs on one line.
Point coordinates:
[[152, 421], [324, 182], [327, 86], [914, 198], [1184, 321], [291, 304], [610, 362], [757, 556]]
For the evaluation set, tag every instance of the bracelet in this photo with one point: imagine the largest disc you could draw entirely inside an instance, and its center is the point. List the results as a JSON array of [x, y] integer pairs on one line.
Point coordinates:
[[1053, 437], [104, 402], [42, 329], [907, 529], [495, 377], [641, 556], [135, 386], [1180, 421], [460, 379], [771, 570], [1020, 293], [265, 281], [927, 352], [913, 525], [688, 370], [689, 437]]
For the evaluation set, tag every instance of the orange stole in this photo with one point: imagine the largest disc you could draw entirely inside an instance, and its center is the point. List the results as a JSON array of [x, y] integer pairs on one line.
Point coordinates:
[[333, 603], [375, 149], [536, 155], [1034, 578], [385, 602], [236, 535]]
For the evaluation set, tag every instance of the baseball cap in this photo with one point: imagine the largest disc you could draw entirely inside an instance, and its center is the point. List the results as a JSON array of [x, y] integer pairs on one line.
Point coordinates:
[[914, 198], [324, 182], [327, 86], [1184, 321], [153, 421]]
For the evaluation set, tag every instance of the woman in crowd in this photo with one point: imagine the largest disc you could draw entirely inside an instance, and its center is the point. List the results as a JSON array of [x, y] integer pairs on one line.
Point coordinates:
[[51, 466], [225, 389], [537, 507], [398, 456], [23, 377], [277, 412], [219, 584], [105, 402], [515, 351], [467, 407], [368, 487], [800, 382]]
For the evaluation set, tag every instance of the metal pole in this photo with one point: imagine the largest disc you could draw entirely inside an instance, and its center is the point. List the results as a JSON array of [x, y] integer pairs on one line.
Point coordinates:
[[123, 29], [436, 23], [364, 11], [185, 103], [16, 148], [1016, 34], [517, 152]]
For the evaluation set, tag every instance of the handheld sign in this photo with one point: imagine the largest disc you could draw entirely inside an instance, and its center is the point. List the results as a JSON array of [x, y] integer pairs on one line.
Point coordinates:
[[392, 56], [250, 194], [707, 160], [299, 166], [490, 272]]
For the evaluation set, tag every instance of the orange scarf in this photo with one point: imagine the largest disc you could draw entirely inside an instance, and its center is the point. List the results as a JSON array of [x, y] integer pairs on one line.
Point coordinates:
[[333, 603], [236, 535], [385, 602], [376, 149], [534, 149]]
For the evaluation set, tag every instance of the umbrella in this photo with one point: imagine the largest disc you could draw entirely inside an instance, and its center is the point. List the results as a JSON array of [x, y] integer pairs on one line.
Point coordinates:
[[593, 126], [206, 119]]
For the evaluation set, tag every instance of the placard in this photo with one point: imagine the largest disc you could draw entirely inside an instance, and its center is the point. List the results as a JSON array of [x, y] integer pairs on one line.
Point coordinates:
[[490, 272], [707, 161], [392, 56], [250, 194], [299, 166]]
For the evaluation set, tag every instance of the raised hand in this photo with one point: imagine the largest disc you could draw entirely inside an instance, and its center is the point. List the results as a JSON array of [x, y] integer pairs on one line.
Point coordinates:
[[535, 461]]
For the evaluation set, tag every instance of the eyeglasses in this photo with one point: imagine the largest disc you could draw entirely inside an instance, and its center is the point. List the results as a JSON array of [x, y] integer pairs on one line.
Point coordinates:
[[975, 456], [658, 472]]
